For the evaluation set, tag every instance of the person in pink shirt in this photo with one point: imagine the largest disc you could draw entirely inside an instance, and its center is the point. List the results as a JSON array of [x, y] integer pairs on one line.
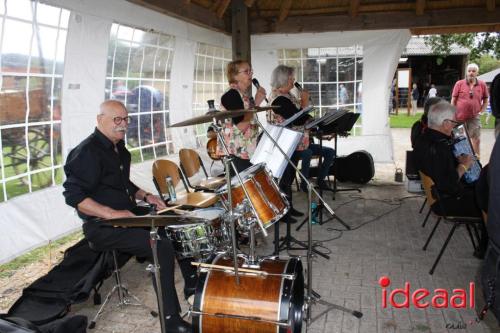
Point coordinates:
[[470, 97]]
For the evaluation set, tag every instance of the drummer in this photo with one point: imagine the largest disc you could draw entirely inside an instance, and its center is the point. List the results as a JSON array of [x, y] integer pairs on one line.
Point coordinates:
[[240, 133], [98, 186]]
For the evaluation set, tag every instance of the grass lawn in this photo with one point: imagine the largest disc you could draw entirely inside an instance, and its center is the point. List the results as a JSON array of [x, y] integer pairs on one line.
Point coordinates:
[[404, 121]]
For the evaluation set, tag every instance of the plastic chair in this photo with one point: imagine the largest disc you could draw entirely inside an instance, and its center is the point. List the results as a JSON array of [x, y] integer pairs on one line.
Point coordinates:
[[191, 163], [433, 196]]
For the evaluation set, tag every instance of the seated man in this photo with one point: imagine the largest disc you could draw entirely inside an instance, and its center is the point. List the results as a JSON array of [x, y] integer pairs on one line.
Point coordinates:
[[434, 157], [98, 186]]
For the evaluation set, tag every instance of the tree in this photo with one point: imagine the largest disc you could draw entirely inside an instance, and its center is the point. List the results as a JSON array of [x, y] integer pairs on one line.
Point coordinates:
[[484, 43]]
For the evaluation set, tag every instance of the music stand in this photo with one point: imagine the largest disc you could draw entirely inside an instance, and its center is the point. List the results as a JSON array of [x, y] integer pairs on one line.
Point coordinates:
[[341, 127], [326, 126]]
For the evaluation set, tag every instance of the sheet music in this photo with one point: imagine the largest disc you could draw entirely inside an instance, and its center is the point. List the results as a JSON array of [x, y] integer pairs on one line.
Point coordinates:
[[461, 146], [296, 116], [266, 152]]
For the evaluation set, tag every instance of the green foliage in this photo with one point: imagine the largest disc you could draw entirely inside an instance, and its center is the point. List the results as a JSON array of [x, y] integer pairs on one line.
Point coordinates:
[[402, 120], [487, 63], [479, 44]]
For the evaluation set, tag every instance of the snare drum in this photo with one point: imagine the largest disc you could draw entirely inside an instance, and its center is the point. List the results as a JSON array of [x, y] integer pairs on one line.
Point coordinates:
[[260, 303], [199, 240], [270, 204]]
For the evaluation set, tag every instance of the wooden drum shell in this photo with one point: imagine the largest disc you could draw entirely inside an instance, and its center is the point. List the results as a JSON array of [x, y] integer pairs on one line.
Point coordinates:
[[265, 297]]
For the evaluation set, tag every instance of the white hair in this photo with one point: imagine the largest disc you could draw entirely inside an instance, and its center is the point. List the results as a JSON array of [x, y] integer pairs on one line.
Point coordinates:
[[280, 75], [439, 112], [473, 66]]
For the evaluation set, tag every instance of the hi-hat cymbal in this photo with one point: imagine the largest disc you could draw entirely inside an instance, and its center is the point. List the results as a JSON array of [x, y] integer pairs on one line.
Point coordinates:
[[218, 115], [153, 221]]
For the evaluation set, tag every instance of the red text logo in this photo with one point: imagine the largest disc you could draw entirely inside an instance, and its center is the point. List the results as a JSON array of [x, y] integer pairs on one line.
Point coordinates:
[[422, 298]]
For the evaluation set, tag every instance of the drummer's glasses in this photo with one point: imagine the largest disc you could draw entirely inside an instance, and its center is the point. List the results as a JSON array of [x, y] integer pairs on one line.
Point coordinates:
[[118, 120]]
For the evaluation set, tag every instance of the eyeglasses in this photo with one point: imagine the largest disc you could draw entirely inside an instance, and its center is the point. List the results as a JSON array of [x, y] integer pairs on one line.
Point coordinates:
[[453, 121], [247, 71], [118, 120]]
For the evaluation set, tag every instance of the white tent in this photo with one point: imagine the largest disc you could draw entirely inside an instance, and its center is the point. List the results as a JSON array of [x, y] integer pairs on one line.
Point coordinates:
[[34, 219]]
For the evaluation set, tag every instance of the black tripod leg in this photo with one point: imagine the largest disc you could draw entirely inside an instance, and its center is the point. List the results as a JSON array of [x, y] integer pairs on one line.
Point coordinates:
[[277, 238]]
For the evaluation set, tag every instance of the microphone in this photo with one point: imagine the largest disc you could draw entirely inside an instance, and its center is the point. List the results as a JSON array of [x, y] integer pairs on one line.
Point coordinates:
[[298, 86], [257, 85]]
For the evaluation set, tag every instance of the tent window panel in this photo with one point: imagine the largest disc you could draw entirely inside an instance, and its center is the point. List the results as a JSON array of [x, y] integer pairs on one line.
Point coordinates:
[[32, 52], [323, 70], [121, 60], [136, 60]]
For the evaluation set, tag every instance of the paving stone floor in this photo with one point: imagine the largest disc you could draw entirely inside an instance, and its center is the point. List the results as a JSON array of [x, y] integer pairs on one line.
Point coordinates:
[[386, 240]]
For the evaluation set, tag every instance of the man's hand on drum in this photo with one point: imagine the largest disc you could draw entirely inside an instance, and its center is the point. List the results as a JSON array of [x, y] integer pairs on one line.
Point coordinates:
[[157, 201]]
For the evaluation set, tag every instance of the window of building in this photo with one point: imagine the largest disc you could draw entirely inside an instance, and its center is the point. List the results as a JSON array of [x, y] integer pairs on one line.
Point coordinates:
[[138, 74], [332, 76], [209, 81], [32, 46]]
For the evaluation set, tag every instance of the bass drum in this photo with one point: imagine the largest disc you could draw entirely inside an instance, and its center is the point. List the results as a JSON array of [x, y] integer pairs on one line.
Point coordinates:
[[257, 304]]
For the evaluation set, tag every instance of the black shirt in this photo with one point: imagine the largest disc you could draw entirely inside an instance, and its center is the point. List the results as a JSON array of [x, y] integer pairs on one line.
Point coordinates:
[[95, 170], [288, 109], [434, 157], [231, 100]]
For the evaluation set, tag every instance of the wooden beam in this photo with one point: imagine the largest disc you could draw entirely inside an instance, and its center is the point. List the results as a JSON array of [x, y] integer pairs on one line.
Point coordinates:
[[374, 21], [354, 8], [215, 5], [490, 5], [222, 8], [285, 9], [420, 7], [455, 29], [190, 13], [249, 3], [187, 2], [240, 31]]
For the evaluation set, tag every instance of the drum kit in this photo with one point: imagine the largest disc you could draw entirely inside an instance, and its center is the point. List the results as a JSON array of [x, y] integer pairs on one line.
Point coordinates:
[[237, 292]]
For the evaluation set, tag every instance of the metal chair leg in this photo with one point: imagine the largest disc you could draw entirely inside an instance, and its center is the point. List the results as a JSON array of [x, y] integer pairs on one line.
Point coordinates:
[[431, 234], [426, 217], [443, 248], [471, 237], [423, 205]]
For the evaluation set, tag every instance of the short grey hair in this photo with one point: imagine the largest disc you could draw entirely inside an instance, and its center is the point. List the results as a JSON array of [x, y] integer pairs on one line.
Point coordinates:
[[280, 75], [439, 112], [497, 130], [473, 66]]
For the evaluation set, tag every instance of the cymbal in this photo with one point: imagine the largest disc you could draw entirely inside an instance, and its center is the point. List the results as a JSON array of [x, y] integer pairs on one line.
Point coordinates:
[[218, 115], [153, 221]]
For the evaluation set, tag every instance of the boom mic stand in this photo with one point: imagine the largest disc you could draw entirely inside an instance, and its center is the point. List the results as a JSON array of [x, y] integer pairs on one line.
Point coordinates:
[[312, 297]]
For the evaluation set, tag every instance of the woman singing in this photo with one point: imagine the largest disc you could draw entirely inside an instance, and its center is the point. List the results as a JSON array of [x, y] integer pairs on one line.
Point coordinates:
[[240, 133], [282, 82]]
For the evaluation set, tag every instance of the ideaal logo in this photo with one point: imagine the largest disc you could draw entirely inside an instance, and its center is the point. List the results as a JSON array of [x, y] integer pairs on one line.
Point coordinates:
[[422, 298]]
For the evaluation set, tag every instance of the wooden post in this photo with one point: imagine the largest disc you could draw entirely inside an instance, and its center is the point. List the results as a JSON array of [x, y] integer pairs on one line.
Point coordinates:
[[240, 30]]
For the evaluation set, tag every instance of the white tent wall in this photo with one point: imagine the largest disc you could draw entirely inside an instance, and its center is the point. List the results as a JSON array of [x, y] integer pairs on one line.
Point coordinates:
[[381, 52], [35, 219]]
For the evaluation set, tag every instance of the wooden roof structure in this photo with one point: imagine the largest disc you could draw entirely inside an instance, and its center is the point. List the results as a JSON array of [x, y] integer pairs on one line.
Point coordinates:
[[294, 16]]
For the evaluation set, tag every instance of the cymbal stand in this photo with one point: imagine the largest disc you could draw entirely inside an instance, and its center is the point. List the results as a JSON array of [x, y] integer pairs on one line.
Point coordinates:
[[228, 162], [330, 210], [155, 270]]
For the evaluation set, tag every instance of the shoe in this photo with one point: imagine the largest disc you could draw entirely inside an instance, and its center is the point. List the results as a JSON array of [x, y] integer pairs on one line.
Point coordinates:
[[175, 324], [294, 212]]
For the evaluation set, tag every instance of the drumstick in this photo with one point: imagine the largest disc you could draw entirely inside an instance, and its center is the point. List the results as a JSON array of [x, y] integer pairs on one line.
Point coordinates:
[[168, 209], [246, 270]]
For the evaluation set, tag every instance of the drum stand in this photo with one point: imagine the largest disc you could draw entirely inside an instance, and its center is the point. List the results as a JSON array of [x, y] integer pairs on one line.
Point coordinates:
[[312, 297], [155, 270]]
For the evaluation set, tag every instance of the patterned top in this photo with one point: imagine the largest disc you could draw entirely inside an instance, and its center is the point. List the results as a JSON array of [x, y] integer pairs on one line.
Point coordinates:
[[239, 136]]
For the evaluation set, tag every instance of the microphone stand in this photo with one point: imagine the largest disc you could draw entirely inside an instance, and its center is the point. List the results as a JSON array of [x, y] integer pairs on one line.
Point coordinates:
[[312, 297]]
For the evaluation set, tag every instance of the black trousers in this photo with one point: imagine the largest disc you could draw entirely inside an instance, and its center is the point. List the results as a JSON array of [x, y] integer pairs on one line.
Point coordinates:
[[240, 165], [136, 241], [287, 178]]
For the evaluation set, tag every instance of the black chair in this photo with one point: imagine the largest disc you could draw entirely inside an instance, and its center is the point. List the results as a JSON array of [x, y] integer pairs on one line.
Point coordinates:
[[456, 221], [125, 298]]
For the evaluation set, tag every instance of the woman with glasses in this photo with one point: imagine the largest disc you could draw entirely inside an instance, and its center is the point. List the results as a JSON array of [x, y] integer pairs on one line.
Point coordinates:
[[240, 133]]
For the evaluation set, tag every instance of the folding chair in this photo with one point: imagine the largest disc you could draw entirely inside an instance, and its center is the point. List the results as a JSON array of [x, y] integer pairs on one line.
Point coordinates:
[[432, 197], [165, 168], [191, 163]]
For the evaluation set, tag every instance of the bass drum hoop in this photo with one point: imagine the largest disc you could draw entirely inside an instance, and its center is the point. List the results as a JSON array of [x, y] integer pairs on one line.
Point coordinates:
[[291, 296]]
